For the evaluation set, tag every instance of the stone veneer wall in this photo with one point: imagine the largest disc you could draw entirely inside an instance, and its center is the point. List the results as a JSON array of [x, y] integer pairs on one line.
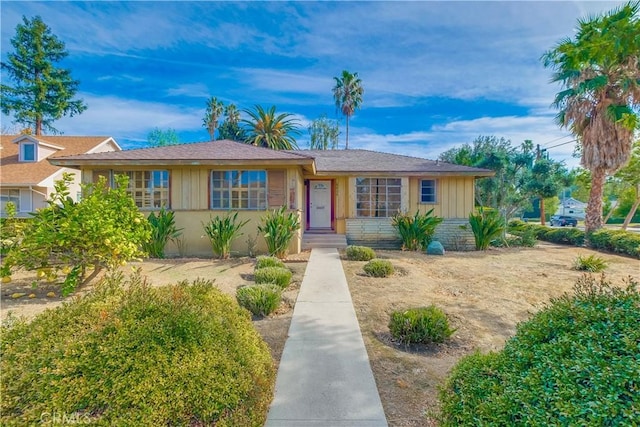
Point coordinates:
[[453, 237], [379, 233]]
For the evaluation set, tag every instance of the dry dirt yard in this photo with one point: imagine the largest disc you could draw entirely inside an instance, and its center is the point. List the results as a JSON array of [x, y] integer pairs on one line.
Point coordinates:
[[485, 295]]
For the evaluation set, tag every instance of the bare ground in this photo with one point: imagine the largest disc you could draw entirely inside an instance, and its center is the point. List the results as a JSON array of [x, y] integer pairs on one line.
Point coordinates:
[[485, 295]]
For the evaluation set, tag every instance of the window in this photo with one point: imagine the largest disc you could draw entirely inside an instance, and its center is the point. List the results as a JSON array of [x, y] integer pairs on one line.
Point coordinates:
[[239, 189], [428, 191], [149, 189], [378, 197], [7, 196], [28, 152]]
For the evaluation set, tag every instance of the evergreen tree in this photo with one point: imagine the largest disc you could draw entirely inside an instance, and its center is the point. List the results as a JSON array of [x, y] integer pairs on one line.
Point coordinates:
[[42, 92]]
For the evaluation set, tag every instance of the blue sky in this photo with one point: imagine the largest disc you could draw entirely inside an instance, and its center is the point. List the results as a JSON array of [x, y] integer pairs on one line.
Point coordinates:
[[436, 74]]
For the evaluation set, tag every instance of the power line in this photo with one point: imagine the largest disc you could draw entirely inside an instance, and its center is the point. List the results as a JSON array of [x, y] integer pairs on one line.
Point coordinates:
[[557, 139], [564, 143]]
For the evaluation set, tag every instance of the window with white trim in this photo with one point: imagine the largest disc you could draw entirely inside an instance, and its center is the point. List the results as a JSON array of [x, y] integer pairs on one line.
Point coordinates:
[[378, 197], [239, 189], [27, 152], [428, 191], [149, 189], [9, 196]]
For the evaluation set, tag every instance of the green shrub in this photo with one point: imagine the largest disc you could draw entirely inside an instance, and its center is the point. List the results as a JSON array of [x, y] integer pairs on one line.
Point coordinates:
[[575, 362], [261, 300], [275, 275], [415, 231], [564, 236], [163, 229], [420, 325], [222, 232], [617, 241], [104, 229], [360, 253], [278, 229], [268, 261], [378, 268], [486, 225], [131, 354], [591, 263]]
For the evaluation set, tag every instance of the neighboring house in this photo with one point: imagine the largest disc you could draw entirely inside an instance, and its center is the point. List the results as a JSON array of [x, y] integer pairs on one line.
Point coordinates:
[[572, 207], [27, 178], [345, 194]]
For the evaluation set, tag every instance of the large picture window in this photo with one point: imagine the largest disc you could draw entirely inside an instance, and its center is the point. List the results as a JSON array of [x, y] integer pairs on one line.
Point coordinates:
[[149, 189], [378, 197], [239, 189], [428, 191]]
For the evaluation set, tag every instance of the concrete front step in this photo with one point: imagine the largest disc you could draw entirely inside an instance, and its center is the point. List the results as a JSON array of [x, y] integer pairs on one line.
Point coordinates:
[[310, 241]]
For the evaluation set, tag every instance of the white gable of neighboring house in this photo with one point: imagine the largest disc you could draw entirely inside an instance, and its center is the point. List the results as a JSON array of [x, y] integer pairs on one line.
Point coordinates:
[[572, 207]]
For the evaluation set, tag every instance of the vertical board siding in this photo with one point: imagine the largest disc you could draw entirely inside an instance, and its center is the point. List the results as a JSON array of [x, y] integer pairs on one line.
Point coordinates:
[[276, 193]]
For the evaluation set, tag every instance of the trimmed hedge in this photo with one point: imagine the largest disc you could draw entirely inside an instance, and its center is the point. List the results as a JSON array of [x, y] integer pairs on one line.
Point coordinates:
[[274, 275], [573, 363], [261, 300], [420, 325], [378, 268], [616, 241], [360, 253], [268, 261], [131, 354]]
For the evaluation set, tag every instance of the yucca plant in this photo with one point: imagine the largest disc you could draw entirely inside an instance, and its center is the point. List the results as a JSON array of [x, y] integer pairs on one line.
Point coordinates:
[[415, 231], [222, 232], [486, 226], [278, 229], [163, 229]]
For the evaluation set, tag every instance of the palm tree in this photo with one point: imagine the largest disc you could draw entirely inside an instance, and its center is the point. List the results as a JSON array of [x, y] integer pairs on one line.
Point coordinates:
[[348, 96], [232, 114], [600, 74], [230, 127], [266, 129], [211, 116]]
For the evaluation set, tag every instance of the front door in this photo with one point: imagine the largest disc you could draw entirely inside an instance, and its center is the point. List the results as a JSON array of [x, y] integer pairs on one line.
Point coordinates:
[[319, 204]]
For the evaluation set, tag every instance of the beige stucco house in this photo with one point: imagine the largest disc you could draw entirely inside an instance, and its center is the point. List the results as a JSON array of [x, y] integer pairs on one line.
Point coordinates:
[[27, 177], [340, 195]]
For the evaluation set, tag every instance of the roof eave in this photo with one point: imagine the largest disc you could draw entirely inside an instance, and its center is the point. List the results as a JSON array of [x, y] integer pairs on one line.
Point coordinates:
[[79, 163]]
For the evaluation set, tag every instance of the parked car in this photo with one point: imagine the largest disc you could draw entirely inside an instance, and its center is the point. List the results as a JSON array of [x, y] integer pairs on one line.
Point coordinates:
[[562, 220]]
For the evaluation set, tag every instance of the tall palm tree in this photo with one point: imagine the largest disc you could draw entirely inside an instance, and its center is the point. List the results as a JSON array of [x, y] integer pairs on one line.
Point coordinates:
[[348, 93], [600, 74], [266, 129], [232, 114], [211, 116]]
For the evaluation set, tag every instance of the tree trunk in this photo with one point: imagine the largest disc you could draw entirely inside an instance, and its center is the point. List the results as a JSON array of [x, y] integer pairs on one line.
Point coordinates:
[[633, 210], [346, 145], [542, 221], [593, 215], [606, 218], [38, 129]]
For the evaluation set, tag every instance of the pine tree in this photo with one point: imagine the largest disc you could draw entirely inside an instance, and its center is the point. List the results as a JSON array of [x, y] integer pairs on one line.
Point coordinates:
[[42, 92]]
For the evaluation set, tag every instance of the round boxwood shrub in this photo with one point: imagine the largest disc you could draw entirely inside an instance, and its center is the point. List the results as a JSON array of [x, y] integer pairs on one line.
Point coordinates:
[[360, 253], [268, 261], [575, 362], [261, 300], [378, 268], [420, 325], [276, 275], [136, 355]]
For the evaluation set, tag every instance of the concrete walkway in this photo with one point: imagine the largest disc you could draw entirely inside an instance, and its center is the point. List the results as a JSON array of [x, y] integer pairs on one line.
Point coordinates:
[[324, 377]]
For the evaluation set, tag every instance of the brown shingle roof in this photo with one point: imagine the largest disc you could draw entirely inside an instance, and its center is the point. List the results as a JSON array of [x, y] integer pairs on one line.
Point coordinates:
[[15, 173], [366, 161], [212, 152]]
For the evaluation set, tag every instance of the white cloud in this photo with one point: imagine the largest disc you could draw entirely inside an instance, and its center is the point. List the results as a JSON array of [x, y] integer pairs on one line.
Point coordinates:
[[128, 118]]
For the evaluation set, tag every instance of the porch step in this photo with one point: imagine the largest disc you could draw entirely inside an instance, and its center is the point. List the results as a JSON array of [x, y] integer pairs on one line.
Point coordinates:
[[310, 241]]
